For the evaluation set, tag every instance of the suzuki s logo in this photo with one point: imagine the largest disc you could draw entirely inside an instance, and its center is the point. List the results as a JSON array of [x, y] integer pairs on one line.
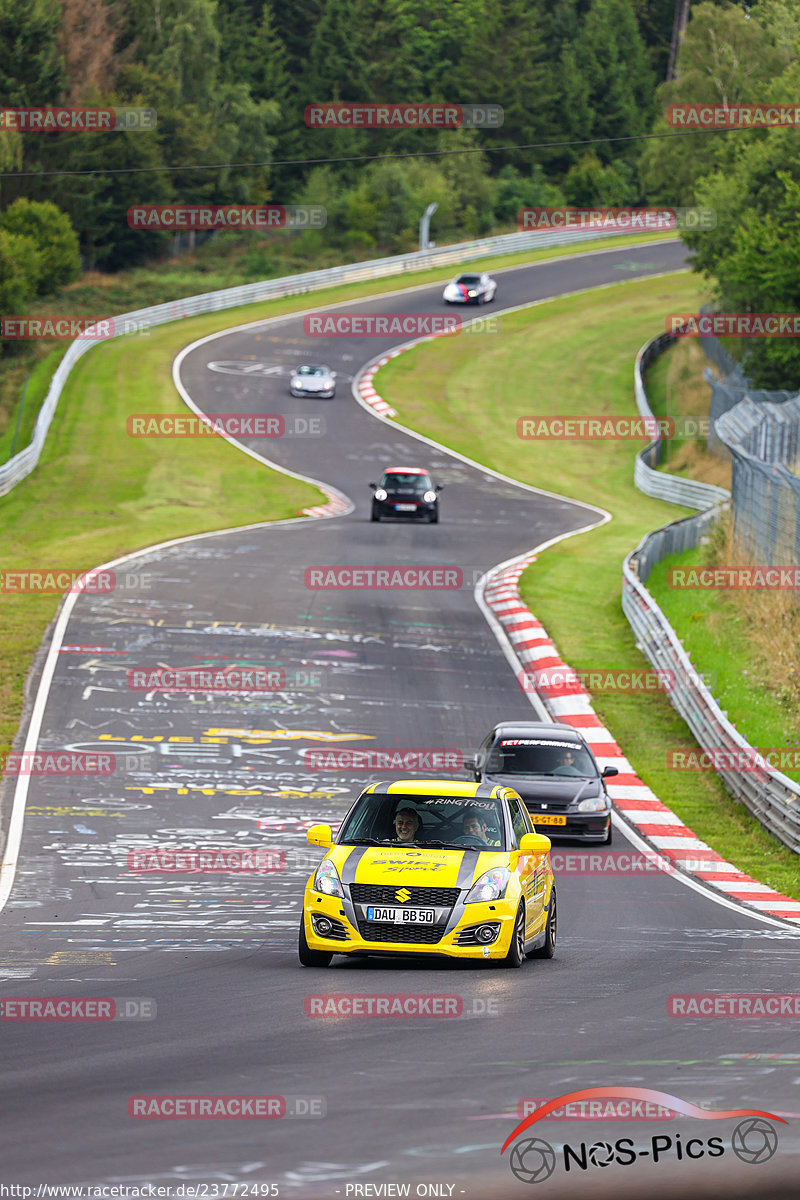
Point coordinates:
[[402, 895]]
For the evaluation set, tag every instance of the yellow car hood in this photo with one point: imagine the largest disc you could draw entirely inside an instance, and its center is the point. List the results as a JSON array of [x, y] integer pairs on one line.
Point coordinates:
[[414, 866]]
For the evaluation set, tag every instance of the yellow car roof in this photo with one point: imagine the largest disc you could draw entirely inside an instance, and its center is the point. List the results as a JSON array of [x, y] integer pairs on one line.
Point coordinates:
[[433, 787]]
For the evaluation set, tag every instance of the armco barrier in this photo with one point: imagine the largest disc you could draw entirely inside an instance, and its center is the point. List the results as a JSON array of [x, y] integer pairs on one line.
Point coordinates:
[[772, 798], [769, 795], [691, 493], [290, 285]]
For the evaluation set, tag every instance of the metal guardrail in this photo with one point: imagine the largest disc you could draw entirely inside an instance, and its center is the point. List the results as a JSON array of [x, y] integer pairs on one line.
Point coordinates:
[[21, 465], [772, 798], [691, 493]]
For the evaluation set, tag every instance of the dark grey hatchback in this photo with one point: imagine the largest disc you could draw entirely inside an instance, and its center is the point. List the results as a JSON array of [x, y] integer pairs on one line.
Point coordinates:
[[555, 773]]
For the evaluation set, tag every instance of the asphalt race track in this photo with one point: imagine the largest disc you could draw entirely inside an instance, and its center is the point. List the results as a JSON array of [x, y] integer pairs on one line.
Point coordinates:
[[419, 1101]]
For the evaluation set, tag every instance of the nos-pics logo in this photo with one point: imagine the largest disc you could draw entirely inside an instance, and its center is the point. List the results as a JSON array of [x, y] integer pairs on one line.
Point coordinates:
[[533, 1160]]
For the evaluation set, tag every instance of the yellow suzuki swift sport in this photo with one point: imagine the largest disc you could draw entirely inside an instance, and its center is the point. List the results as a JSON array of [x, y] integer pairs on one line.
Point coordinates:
[[431, 867]]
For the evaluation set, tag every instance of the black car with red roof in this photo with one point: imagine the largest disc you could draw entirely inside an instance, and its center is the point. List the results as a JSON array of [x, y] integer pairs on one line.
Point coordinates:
[[555, 772], [406, 493]]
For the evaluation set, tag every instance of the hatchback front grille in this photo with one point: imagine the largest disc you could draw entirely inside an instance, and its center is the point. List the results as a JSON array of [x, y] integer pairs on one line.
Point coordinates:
[[373, 893]]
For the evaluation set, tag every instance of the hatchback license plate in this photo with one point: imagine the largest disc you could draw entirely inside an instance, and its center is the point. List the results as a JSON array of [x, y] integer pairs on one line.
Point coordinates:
[[542, 819], [405, 508], [402, 916]]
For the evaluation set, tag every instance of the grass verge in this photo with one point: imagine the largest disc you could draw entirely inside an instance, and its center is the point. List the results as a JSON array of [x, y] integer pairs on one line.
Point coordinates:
[[676, 388], [748, 642], [574, 356]]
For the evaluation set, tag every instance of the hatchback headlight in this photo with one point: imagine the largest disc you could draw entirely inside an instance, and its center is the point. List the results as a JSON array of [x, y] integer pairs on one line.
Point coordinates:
[[593, 804], [381, 494], [429, 497], [326, 879], [491, 886]]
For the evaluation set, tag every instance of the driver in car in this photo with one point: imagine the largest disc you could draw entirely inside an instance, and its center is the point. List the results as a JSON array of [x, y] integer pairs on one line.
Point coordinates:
[[567, 765], [474, 826]]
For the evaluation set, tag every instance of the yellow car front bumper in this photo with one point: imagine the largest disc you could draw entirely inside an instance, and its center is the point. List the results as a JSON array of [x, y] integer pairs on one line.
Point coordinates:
[[502, 912]]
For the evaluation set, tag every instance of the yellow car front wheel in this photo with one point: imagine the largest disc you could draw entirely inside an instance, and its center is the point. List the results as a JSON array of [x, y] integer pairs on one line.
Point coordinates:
[[516, 950], [309, 957]]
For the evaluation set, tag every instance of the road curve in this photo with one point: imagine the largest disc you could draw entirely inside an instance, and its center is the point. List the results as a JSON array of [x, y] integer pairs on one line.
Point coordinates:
[[421, 1101]]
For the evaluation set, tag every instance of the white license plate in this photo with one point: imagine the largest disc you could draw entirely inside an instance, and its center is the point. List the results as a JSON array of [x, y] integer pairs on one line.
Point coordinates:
[[405, 508], [402, 916]]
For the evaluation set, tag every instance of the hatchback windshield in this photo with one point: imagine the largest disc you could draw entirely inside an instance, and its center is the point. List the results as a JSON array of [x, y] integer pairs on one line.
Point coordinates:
[[313, 371], [449, 822], [392, 480], [539, 756]]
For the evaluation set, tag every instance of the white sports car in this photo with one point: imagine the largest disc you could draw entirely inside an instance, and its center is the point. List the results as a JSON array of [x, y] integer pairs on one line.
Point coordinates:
[[313, 381], [470, 289]]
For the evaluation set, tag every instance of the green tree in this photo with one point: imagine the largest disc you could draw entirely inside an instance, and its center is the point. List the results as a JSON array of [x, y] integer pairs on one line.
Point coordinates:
[[762, 274], [724, 59], [588, 182], [31, 68], [506, 61], [20, 267], [613, 61], [51, 233]]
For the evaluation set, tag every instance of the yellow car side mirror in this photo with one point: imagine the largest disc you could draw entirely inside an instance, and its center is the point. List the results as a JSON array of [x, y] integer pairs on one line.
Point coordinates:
[[320, 835], [534, 843]]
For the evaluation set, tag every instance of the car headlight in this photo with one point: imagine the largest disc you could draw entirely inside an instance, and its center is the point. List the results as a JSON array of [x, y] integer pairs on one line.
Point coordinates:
[[380, 494], [327, 383], [429, 497], [472, 294], [326, 879], [491, 886], [593, 804]]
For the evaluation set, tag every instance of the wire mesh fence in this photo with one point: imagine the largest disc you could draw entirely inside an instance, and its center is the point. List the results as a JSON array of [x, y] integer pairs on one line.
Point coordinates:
[[764, 441]]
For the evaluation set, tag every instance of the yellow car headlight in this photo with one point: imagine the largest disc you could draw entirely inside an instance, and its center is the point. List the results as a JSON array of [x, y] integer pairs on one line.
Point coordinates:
[[491, 886], [326, 879]]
